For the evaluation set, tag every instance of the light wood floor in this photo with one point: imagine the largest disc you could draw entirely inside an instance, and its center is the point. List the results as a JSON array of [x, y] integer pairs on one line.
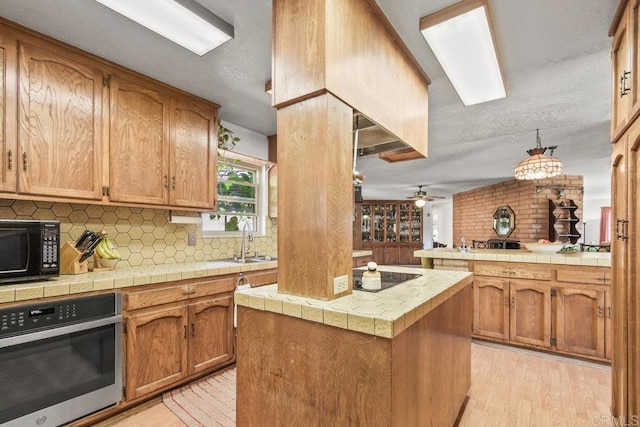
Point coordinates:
[[509, 387]]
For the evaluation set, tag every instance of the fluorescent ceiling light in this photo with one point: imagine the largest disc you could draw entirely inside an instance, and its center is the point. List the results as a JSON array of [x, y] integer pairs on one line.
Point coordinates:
[[461, 38], [184, 22]]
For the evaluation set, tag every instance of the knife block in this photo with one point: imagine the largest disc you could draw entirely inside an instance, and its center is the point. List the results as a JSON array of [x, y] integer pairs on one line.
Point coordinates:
[[70, 260]]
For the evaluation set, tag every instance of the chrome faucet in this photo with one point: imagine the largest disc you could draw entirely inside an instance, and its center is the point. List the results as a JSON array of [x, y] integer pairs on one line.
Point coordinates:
[[243, 252], [463, 247]]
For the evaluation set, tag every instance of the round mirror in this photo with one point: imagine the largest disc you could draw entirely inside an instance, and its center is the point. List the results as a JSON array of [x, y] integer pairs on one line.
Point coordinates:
[[504, 221]]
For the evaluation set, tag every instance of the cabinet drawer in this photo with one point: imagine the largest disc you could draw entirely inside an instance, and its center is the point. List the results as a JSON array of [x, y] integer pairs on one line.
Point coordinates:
[[584, 276], [532, 273], [151, 297], [212, 287], [259, 278], [494, 270], [450, 264], [361, 261]]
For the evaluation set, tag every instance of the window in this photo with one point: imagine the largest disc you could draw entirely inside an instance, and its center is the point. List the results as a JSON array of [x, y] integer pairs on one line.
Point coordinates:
[[241, 197]]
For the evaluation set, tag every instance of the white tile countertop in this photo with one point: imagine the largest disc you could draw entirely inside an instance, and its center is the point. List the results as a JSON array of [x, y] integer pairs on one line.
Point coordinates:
[[127, 277], [124, 277], [385, 313], [596, 259]]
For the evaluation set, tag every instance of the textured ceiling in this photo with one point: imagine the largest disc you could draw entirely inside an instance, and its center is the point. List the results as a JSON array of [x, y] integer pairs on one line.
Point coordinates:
[[557, 65]]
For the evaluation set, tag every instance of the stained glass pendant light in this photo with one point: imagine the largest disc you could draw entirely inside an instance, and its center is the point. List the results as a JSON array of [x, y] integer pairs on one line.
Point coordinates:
[[538, 166]]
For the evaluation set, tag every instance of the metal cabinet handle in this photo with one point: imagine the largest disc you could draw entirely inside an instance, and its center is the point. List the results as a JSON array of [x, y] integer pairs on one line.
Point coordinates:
[[173, 183], [193, 329], [621, 229], [600, 312], [506, 301], [623, 83], [166, 182], [24, 161], [506, 271], [185, 332], [609, 312], [513, 301], [9, 159]]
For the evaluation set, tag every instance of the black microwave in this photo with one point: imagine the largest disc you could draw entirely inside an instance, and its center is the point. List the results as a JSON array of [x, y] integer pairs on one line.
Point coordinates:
[[29, 250]]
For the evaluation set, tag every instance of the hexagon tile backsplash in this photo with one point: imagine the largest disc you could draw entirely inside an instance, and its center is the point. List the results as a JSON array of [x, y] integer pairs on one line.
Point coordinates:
[[143, 236]]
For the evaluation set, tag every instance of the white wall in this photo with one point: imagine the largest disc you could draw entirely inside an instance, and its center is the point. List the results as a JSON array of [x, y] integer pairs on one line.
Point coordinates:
[[444, 210], [591, 214], [251, 143]]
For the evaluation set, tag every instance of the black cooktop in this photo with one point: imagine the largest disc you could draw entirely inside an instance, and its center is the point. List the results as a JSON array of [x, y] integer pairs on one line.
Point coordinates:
[[388, 279]]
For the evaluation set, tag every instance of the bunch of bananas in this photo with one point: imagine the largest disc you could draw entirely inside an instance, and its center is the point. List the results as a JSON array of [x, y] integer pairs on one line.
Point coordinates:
[[106, 250]]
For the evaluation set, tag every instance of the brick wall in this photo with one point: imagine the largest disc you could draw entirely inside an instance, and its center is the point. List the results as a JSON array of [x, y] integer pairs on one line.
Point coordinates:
[[473, 210]]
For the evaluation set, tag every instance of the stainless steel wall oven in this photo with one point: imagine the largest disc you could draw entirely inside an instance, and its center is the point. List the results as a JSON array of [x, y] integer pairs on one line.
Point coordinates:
[[60, 360]]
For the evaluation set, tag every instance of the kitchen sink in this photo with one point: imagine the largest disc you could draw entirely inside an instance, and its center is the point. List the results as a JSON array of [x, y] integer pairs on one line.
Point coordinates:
[[261, 258]]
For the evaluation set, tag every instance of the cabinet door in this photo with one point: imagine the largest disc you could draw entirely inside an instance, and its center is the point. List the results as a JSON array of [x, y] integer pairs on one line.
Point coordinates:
[[491, 307], [156, 350], [405, 256], [634, 44], [60, 116], [619, 270], [8, 105], [138, 150], [608, 321], [378, 254], [192, 157], [391, 255], [620, 77], [580, 321], [530, 313], [211, 329], [632, 233]]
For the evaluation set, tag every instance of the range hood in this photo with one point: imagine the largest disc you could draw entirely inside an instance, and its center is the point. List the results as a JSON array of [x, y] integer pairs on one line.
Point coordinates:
[[375, 140]]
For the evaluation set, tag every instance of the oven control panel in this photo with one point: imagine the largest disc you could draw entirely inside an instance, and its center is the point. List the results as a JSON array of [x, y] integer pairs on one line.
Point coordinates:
[[26, 318]]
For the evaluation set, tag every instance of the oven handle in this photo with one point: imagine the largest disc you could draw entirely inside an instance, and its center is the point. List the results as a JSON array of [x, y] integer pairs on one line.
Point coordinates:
[[56, 332]]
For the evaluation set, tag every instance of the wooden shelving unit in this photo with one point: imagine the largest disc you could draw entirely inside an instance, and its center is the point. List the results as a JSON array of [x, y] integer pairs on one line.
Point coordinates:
[[563, 222], [391, 229]]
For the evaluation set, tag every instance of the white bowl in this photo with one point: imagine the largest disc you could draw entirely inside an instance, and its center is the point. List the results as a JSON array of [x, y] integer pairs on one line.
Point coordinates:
[[545, 248]]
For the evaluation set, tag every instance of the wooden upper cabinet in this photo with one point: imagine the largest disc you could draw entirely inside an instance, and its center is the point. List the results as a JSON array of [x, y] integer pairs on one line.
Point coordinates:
[[621, 77], [60, 119], [163, 147], [194, 135], [8, 132], [138, 151]]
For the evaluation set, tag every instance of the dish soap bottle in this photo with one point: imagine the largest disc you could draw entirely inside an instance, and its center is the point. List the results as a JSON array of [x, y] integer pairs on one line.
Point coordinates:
[[371, 278]]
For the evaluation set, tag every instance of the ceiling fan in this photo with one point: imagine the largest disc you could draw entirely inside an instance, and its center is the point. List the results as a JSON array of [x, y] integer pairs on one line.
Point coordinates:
[[421, 198]]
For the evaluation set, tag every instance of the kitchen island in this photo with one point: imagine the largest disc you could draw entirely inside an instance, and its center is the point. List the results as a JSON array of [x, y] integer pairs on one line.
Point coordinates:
[[397, 357]]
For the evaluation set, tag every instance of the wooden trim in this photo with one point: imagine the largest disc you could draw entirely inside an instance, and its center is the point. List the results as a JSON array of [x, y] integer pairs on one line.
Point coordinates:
[[400, 155], [617, 16], [450, 12], [399, 42]]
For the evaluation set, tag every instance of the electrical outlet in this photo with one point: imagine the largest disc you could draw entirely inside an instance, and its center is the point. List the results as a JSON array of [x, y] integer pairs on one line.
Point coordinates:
[[340, 284], [191, 239]]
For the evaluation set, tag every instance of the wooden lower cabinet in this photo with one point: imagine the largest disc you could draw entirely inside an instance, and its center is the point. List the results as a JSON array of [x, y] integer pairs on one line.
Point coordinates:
[[580, 321], [176, 331], [210, 343], [156, 345], [491, 312], [394, 254], [530, 313], [573, 316]]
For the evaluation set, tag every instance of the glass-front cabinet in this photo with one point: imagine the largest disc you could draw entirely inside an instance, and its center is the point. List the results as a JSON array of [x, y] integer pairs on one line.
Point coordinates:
[[392, 228]]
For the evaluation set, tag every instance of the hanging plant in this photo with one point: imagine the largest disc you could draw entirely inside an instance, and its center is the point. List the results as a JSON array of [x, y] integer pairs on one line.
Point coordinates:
[[226, 140]]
